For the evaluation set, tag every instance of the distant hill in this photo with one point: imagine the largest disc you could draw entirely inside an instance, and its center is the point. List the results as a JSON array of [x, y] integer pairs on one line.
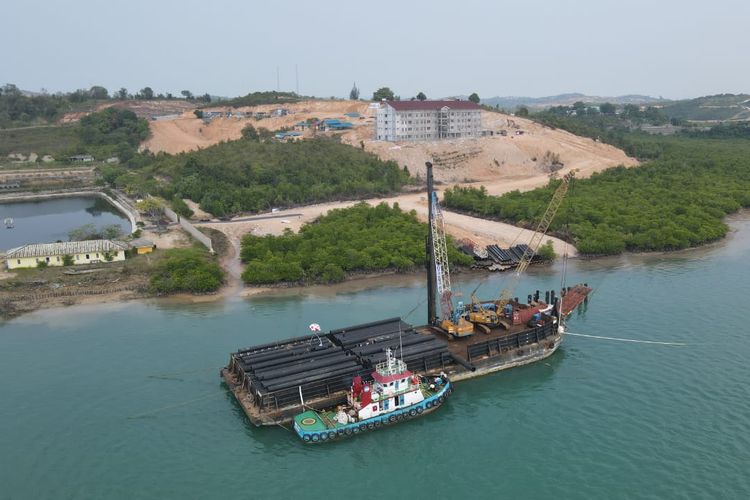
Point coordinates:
[[511, 103], [720, 107]]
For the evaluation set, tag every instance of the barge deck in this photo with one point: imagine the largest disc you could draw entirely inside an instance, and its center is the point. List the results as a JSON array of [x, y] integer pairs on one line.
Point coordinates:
[[275, 381]]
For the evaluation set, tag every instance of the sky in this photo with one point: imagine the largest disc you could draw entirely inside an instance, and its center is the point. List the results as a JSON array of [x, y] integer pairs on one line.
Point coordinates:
[[674, 49]]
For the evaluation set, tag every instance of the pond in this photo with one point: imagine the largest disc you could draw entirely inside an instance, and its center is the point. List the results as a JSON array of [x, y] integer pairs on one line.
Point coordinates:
[[46, 221]]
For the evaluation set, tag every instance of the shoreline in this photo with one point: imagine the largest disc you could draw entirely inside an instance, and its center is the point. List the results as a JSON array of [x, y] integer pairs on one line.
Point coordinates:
[[356, 283]]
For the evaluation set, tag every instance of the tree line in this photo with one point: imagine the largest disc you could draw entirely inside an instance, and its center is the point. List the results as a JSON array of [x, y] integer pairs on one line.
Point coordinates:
[[250, 176], [357, 239], [678, 199], [20, 109]]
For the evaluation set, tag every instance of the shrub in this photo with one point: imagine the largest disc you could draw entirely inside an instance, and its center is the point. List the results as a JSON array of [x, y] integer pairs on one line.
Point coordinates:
[[547, 251], [360, 238], [67, 260], [190, 270]]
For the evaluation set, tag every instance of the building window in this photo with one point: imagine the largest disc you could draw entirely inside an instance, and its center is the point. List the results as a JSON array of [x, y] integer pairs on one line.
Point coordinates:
[[19, 261], [58, 258], [46, 259], [88, 257]]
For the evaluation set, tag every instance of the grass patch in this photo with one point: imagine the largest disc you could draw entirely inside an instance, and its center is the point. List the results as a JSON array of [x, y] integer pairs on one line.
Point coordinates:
[[52, 140]]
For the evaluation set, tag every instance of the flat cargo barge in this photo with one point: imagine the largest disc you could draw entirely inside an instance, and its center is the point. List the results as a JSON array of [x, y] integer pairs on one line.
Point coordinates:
[[275, 381]]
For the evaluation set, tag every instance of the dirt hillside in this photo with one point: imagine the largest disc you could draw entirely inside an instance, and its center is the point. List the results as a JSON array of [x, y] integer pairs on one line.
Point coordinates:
[[518, 148]]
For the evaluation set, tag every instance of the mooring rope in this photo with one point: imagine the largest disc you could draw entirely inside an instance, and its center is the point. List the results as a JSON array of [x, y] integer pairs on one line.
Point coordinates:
[[626, 340], [169, 407]]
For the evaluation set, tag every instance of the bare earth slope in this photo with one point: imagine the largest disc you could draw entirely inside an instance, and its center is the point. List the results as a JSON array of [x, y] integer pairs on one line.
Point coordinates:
[[501, 163], [517, 155]]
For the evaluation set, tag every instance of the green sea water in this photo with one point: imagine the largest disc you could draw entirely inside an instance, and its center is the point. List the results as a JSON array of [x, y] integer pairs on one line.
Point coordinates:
[[125, 401]]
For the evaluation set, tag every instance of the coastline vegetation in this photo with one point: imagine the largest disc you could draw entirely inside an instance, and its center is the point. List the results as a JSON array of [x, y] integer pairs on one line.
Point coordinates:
[[191, 270], [676, 200], [344, 241]]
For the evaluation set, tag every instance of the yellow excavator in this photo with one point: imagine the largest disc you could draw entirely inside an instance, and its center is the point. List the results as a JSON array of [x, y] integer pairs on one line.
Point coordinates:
[[486, 316]]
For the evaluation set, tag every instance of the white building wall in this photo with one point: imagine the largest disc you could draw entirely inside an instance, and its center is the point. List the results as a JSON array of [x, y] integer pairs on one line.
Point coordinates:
[[57, 260], [422, 125]]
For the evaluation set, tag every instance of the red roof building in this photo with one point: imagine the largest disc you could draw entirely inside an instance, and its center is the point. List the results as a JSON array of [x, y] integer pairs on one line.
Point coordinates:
[[427, 120]]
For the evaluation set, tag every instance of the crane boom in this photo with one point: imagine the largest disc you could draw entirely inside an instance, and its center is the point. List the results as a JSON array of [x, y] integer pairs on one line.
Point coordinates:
[[536, 238], [442, 270]]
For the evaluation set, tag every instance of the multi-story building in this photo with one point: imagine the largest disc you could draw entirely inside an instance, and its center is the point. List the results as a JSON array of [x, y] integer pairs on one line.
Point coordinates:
[[427, 120]]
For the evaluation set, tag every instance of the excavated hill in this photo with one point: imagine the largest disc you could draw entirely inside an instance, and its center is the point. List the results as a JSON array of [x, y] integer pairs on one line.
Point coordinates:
[[519, 150]]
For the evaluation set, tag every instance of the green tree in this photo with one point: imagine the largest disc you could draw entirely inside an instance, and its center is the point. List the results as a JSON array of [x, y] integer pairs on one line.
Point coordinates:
[[98, 92], [111, 231], [547, 251], [180, 207], [122, 94], [522, 111], [186, 270], [474, 97], [151, 207], [198, 113], [249, 132], [146, 93], [187, 95], [67, 260], [383, 93], [421, 96], [354, 92], [83, 233], [607, 108]]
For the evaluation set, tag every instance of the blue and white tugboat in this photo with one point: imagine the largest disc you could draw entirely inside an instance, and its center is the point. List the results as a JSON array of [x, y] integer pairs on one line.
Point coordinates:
[[394, 395]]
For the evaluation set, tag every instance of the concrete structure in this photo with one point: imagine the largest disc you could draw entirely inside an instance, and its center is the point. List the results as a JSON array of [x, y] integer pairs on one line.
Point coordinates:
[[142, 245], [427, 120], [81, 158], [82, 252], [288, 136]]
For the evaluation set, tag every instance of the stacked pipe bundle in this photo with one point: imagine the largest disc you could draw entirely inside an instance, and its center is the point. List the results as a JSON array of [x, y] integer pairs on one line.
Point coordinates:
[[507, 257], [420, 352], [276, 373]]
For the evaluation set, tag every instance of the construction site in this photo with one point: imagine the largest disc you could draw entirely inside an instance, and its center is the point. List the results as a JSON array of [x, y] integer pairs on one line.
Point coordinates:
[[510, 148], [273, 382]]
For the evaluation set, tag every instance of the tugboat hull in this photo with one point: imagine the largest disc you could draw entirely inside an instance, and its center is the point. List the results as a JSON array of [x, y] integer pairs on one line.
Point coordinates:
[[311, 428]]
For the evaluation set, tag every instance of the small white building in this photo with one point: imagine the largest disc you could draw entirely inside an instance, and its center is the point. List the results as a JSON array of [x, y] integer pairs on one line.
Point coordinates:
[[53, 254], [427, 120]]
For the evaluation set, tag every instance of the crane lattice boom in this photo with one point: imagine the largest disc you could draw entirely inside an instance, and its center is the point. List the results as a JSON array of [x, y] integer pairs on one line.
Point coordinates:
[[440, 249], [536, 238]]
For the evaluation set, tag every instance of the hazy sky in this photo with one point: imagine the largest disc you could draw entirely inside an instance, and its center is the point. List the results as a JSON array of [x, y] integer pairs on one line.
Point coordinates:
[[670, 48]]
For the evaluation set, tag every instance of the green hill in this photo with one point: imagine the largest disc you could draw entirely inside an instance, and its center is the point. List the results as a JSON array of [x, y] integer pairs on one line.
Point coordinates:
[[720, 107]]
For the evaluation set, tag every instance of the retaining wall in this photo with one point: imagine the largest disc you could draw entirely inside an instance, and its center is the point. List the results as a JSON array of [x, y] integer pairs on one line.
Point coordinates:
[[191, 229]]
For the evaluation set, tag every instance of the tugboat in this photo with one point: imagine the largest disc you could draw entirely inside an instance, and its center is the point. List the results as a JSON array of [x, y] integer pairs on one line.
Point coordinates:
[[395, 395]]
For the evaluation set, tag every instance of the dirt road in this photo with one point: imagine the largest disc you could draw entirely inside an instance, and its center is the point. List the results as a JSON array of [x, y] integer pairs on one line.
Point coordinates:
[[481, 231]]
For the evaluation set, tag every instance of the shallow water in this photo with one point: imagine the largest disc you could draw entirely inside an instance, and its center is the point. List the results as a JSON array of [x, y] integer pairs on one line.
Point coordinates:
[[47, 221], [124, 401]]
